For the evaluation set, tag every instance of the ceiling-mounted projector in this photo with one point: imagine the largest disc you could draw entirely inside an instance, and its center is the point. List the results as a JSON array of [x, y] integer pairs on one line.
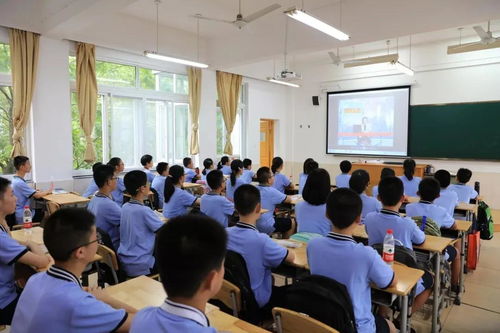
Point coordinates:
[[289, 75]]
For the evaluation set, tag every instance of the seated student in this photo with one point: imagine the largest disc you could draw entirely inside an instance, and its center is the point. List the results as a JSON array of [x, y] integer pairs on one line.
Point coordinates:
[[12, 252], [54, 301], [224, 166], [147, 164], [464, 192], [190, 251], [214, 204], [448, 199], [191, 176], [361, 265], [310, 213], [260, 252], [359, 183], [342, 180], [248, 174], [159, 182], [138, 226], [92, 188], [391, 193], [281, 182], [410, 182], [309, 165], [270, 197], [386, 172], [177, 201], [118, 166], [107, 212], [22, 190], [234, 180], [208, 165]]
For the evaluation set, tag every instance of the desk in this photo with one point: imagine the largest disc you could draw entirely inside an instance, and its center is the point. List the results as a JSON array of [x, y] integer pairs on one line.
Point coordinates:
[[143, 291], [66, 199], [462, 227], [187, 186]]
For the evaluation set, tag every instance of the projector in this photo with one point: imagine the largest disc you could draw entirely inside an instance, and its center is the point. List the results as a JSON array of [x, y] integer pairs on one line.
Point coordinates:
[[287, 75]]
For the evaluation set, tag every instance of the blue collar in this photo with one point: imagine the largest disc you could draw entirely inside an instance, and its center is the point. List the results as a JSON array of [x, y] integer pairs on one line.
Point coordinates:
[[16, 176], [337, 236], [425, 202], [62, 274], [3, 228], [185, 311], [246, 226], [135, 202], [389, 212], [101, 195]]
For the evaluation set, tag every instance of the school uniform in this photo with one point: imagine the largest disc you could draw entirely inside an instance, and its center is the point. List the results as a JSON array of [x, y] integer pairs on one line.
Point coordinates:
[[448, 199], [178, 203], [342, 180], [464, 192], [149, 174], [261, 254], [312, 218], [159, 186], [204, 176], [23, 193], [269, 198], [433, 211], [230, 189], [247, 176], [138, 225], [117, 194], [217, 207], [91, 189], [171, 317], [54, 301], [410, 186], [190, 174], [369, 205], [107, 216], [375, 191], [281, 182], [302, 182], [356, 266], [226, 170]]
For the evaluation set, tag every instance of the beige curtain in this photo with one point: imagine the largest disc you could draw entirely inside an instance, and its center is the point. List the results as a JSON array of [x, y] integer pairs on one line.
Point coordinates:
[[194, 79], [24, 60], [228, 91], [86, 86]]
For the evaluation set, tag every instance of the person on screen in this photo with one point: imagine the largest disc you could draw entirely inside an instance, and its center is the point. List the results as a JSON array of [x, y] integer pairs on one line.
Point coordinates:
[[365, 125]]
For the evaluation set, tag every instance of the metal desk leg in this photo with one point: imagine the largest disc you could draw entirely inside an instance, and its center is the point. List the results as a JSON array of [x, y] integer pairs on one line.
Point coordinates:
[[404, 315], [458, 299], [436, 296]]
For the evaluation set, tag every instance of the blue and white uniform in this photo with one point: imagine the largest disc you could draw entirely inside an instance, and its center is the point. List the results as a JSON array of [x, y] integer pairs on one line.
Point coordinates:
[[217, 207], [149, 174], [430, 210], [230, 189], [369, 205], [118, 192], [375, 191], [23, 193], [464, 192], [107, 216], [159, 185], [410, 186], [226, 170], [269, 198], [281, 182], [302, 182], [190, 174], [448, 199], [342, 180], [178, 203], [91, 189], [247, 176], [312, 218]]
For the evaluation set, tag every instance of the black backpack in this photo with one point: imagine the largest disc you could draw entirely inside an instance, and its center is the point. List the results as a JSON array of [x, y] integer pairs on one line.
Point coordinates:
[[323, 299]]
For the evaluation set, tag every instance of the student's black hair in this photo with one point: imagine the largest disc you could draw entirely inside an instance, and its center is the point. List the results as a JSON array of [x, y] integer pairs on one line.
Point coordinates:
[[114, 162], [409, 168], [19, 161], [215, 178], [443, 177], [188, 248], [305, 167], [95, 166], [387, 172], [102, 174], [66, 230], [390, 190], [263, 174], [186, 161], [145, 159], [317, 187], [464, 175], [343, 207], [236, 165], [345, 166], [207, 163], [222, 162], [428, 189], [161, 167], [174, 175], [276, 164], [247, 162], [4, 184], [246, 198], [359, 180], [133, 181]]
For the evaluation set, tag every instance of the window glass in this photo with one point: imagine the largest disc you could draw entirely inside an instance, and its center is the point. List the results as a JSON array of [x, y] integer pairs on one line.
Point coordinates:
[[6, 130]]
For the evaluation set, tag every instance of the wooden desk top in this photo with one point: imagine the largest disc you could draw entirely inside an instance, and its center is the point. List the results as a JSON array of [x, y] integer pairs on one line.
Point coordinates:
[[66, 199], [143, 291], [191, 185], [462, 225]]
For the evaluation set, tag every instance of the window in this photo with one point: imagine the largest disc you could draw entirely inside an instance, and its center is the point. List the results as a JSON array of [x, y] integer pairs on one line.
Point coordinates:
[[6, 104], [237, 137], [4, 58]]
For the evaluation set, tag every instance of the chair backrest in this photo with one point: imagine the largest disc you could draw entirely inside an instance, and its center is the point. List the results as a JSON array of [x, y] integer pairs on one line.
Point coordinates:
[[401, 254], [230, 295], [106, 239], [109, 258], [155, 203], [288, 321]]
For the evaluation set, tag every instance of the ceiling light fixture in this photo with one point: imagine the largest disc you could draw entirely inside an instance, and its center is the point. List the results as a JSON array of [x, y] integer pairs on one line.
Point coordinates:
[[313, 22], [271, 79]]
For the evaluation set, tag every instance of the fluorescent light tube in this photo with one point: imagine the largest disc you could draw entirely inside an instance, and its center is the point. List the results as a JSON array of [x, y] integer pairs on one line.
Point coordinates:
[[154, 55], [313, 22], [403, 69], [270, 79]]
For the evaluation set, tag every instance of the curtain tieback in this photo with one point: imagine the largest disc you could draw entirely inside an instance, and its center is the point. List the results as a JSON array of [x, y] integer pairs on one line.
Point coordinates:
[[194, 127]]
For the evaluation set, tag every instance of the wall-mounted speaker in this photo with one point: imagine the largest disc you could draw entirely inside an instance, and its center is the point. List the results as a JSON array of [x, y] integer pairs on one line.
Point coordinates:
[[315, 100]]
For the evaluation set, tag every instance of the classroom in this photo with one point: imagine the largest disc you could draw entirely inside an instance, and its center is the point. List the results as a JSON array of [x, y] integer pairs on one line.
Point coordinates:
[[249, 166]]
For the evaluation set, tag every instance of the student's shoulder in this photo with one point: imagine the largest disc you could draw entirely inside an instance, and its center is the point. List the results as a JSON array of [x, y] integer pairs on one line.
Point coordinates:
[[372, 216]]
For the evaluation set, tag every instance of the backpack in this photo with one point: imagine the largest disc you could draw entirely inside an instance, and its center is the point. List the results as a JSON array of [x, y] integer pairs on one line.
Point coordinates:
[[485, 221], [427, 225], [323, 299]]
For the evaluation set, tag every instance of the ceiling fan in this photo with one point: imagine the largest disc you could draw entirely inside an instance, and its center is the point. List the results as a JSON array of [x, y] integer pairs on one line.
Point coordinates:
[[487, 41], [241, 20], [335, 57]]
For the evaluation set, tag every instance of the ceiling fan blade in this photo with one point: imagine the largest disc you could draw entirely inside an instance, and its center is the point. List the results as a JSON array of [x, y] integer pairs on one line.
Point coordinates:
[[482, 34], [335, 58], [211, 19], [262, 12]]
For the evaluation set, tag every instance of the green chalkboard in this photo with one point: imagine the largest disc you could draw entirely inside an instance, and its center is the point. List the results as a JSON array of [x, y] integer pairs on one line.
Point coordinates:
[[462, 131]]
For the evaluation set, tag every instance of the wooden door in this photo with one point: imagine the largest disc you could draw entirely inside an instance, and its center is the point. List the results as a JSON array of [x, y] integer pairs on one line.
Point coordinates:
[[266, 142]]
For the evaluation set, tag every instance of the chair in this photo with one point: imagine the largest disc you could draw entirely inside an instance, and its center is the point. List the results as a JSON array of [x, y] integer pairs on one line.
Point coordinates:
[[230, 295], [288, 321], [109, 258]]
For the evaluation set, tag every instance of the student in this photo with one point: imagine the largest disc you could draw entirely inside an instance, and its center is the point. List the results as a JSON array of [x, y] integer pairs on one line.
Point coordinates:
[[342, 180], [410, 182], [147, 164], [54, 301], [191, 176], [404, 228], [159, 182], [464, 192], [386, 172], [359, 183], [177, 201], [12, 252], [118, 166], [248, 174], [92, 188], [270, 197], [281, 182], [138, 225], [260, 252], [448, 199], [22, 190], [309, 165], [208, 165], [224, 166], [213, 203], [310, 213], [107, 212], [234, 180], [190, 251], [361, 265]]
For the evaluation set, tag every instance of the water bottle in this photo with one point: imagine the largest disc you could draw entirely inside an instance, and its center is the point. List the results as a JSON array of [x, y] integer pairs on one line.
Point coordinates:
[[388, 254], [27, 222]]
